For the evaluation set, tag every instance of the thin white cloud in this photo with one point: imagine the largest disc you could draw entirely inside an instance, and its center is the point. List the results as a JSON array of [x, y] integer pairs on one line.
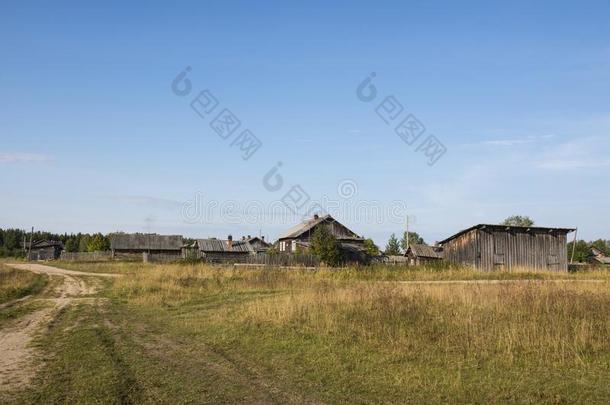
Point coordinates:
[[580, 153], [562, 164], [516, 141], [24, 158]]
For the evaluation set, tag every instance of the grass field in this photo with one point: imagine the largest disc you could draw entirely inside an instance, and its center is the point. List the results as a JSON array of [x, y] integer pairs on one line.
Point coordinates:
[[194, 333], [15, 284]]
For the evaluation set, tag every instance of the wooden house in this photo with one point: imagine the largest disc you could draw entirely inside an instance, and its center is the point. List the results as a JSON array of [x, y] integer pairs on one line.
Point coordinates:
[[418, 254], [45, 250], [298, 238], [223, 250], [492, 247], [258, 243], [599, 258], [151, 243]]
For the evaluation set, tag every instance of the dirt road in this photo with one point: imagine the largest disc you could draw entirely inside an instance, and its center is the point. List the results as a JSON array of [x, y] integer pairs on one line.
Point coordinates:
[[16, 355]]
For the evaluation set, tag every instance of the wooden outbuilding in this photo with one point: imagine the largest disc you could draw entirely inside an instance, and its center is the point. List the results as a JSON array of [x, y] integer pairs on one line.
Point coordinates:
[[496, 247], [45, 250], [418, 254], [224, 250], [151, 243]]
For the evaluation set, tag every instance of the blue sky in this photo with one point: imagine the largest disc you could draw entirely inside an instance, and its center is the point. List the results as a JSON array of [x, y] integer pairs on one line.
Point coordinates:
[[92, 137]]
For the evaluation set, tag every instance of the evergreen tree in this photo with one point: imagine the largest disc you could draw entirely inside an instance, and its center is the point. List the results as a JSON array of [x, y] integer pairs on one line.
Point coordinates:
[[83, 243], [71, 245], [393, 246], [325, 246]]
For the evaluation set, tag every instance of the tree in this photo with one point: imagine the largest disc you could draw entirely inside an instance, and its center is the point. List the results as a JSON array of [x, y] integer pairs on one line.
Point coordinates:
[[71, 245], [393, 246], [414, 238], [581, 252], [325, 247], [370, 247], [83, 243], [518, 220], [98, 242]]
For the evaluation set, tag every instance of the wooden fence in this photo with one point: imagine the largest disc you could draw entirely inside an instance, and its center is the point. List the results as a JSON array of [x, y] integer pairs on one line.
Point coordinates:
[[86, 256], [160, 258], [282, 260]]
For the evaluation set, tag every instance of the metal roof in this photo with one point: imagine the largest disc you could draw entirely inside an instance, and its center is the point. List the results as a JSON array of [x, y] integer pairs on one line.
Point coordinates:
[[304, 226], [421, 250], [144, 241], [221, 245], [507, 228]]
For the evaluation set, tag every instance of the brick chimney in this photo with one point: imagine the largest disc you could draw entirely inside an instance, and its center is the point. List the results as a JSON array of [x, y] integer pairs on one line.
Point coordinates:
[[230, 242]]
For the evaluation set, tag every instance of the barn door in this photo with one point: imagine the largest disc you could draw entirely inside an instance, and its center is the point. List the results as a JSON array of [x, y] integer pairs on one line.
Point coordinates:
[[500, 247]]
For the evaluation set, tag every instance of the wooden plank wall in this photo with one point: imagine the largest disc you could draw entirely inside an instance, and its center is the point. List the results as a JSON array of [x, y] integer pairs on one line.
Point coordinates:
[[509, 250]]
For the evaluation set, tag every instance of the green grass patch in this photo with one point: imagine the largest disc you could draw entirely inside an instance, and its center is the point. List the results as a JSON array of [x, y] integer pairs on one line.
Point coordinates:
[[10, 314]]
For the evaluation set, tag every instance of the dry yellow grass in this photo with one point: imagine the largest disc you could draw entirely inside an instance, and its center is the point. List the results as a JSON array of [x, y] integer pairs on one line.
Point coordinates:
[[367, 335]]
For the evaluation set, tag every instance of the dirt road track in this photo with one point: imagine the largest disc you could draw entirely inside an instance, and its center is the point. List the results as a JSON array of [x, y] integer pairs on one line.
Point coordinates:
[[16, 368]]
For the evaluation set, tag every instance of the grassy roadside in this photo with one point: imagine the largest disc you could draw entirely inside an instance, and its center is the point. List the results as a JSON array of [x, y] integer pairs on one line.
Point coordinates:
[[15, 284], [178, 334]]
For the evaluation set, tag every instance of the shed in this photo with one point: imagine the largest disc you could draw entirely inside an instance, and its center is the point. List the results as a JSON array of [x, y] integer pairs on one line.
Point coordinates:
[[122, 243], [492, 247], [45, 250], [419, 253]]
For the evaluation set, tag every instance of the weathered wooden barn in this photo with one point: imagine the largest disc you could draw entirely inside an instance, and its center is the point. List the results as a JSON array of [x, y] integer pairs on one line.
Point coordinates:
[[495, 247], [418, 254], [297, 239], [45, 250], [152, 243]]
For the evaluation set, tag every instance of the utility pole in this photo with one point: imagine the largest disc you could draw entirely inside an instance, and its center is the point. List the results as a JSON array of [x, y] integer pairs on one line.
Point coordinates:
[[407, 248], [30, 247], [574, 245]]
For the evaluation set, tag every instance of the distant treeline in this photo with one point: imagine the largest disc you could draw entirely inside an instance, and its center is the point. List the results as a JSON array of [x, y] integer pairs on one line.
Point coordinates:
[[12, 241]]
